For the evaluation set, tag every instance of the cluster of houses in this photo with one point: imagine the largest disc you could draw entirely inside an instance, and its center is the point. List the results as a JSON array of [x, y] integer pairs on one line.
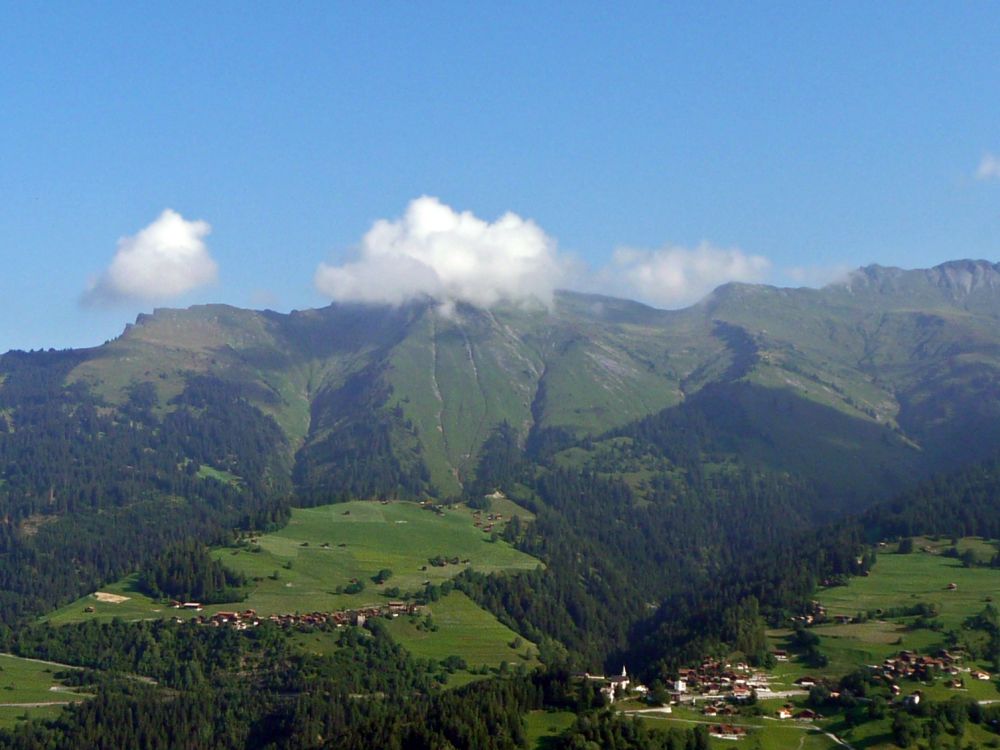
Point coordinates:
[[487, 525], [727, 731], [815, 614], [788, 711], [910, 664], [719, 708], [250, 619], [717, 679]]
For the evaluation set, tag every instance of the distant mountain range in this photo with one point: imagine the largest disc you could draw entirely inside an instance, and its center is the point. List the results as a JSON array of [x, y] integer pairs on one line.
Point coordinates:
[[861, 385]]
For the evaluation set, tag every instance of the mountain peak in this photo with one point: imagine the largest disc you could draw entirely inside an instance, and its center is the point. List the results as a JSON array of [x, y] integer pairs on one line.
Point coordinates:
[[956, 282]]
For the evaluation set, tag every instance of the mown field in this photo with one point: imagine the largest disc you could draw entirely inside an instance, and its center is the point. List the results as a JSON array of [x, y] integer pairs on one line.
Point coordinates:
[[301, 567], [29, 688], [763, 733], [898, 581], [459, 627], [544, 726]]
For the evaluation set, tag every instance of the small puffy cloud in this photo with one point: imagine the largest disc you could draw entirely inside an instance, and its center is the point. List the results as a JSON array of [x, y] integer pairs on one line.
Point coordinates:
[[162, 261], [677, 276], [989, 168], [436, 251]]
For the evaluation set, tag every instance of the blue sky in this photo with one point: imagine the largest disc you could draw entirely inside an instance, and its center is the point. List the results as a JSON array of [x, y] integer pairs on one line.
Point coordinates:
[[776, 142]]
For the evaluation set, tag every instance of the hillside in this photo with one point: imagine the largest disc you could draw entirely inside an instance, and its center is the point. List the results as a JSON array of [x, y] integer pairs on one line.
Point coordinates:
[[202, 420], [689, 476], [899, 364]]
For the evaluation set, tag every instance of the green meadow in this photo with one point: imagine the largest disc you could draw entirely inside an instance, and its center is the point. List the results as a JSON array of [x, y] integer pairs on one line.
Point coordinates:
[[29, 688], [300, 567], [11, 716], [763, 734], [897, 581], [462, 628], [904, 580], [543, 727]]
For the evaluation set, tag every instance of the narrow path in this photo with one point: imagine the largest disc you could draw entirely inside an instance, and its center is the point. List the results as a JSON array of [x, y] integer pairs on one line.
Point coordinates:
[[40, 661], [839, 741], [722, 720]]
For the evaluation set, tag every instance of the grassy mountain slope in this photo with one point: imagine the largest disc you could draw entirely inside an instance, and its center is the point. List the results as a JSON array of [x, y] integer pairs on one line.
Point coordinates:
[[908, 359]]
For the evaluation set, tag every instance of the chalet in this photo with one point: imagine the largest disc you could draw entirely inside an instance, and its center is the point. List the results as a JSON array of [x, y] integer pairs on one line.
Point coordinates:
[[806, 681], [807, 714], [742, 693], [780, 654], [785, 712], [952, 587], [727, 732], [680, 686], [978, 674], [913, 699]]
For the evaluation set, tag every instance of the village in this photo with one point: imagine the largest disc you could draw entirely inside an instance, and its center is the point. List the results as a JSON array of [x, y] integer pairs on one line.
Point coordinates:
[[719, 690], [250, 619], [722, 689]]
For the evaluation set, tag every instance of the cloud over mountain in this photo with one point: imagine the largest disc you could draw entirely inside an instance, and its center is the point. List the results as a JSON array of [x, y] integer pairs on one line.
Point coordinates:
[[453, 256], [675, 276], [164, 260]]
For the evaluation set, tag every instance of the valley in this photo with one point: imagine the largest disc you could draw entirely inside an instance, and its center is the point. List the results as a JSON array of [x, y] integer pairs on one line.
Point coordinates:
[[455, 511]]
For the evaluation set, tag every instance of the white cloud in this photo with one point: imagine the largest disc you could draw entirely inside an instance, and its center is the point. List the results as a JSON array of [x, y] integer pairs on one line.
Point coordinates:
[[989, 168], [678, 276], [162, 261], [434, 250]]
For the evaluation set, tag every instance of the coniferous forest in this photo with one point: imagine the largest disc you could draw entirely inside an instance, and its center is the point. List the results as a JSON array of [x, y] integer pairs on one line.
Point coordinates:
[[664, 540]]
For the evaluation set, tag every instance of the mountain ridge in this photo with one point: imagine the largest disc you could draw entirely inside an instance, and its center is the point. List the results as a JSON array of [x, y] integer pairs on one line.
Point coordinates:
[[911, 351]]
